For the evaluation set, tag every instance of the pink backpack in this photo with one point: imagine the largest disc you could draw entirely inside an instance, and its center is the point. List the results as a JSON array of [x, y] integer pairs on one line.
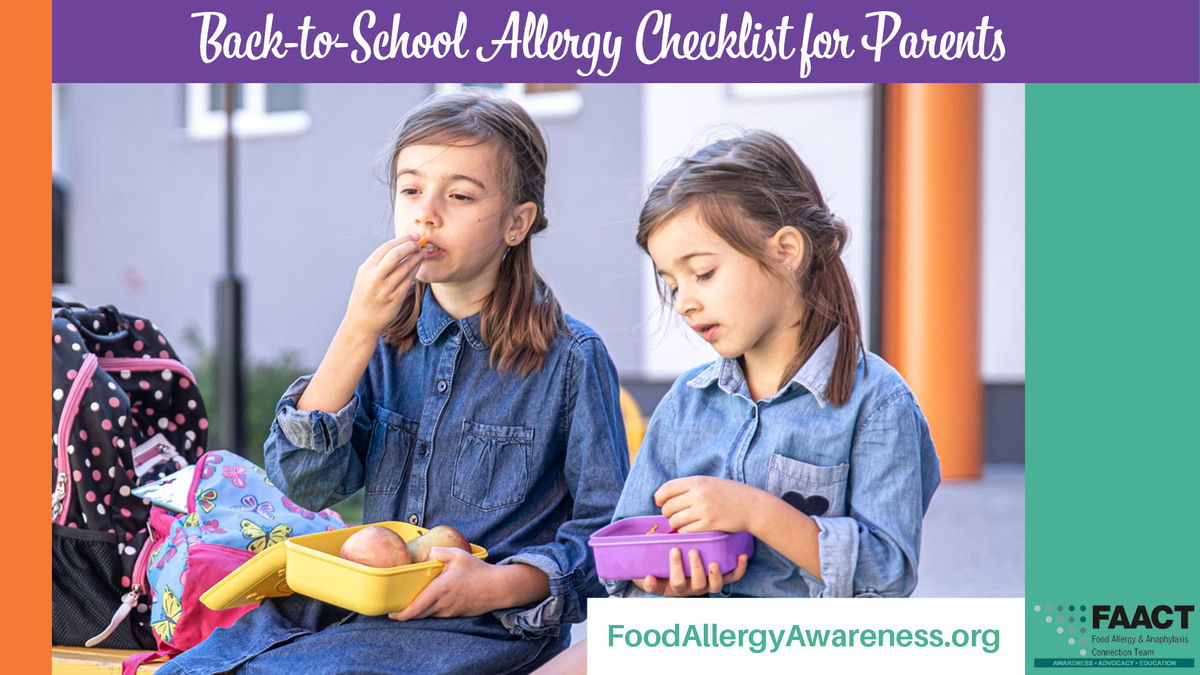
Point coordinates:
[[234, 512]]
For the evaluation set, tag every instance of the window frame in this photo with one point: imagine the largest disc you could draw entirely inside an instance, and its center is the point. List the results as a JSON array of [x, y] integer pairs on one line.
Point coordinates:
[[542, 105], [252, 119]]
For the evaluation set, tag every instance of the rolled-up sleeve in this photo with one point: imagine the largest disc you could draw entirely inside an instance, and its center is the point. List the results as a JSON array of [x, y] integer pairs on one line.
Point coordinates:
[[595, 466], [654, 465], [873, 550], [310, 455]]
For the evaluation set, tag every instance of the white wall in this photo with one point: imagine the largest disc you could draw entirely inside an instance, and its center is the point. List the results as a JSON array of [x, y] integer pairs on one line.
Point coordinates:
[[1002, 348], [829, 125]]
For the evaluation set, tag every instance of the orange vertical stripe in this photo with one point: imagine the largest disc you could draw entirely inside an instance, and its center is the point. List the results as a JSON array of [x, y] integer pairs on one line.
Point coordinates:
[[25, 278], [931, 265]]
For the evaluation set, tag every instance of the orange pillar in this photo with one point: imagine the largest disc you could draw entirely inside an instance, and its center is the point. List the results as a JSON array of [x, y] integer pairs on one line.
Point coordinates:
[[930, 240]]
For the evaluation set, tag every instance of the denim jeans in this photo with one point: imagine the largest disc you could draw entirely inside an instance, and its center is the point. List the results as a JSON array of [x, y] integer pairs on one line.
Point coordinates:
[[298, 635]]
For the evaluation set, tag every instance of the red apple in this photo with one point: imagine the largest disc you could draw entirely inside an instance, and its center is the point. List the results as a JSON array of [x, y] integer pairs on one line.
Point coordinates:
[[376, 546]]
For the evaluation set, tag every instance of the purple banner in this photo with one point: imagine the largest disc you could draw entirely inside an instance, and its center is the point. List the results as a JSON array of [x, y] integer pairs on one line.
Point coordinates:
[[815, 41]]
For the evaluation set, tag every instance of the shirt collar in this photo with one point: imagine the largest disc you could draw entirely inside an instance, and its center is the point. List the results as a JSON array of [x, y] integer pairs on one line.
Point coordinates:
[[813, 375], [434, 321]]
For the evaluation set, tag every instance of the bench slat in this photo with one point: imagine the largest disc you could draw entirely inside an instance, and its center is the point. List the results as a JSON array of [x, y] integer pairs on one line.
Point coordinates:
[[93, 661]]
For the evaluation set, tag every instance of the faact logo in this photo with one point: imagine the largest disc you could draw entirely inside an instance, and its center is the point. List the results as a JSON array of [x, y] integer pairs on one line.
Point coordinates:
[[1161, 616]]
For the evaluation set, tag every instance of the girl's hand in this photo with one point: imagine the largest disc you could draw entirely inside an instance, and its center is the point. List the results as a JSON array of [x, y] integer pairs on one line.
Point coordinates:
[[464, 588], [699, 583], [381, 284], [704, 504]]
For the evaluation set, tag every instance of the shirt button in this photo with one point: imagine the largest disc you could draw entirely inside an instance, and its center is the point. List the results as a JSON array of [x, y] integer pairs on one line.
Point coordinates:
[[441, 386], [412, 519], [421, 449]]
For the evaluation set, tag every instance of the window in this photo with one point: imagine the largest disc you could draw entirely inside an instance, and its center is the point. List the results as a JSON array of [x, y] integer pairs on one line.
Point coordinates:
[[749, 91], [259, 110], [540, 99]]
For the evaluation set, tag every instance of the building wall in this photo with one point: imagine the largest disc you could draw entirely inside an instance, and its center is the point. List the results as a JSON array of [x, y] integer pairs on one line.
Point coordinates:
[[829, 125], [147, 211]]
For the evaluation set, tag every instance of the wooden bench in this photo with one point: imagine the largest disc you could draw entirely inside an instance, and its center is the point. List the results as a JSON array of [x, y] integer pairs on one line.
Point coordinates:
[[93, 660]]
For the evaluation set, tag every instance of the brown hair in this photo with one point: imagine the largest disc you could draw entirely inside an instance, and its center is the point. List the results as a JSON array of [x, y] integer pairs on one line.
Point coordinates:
[[745, 189], [521, 316]]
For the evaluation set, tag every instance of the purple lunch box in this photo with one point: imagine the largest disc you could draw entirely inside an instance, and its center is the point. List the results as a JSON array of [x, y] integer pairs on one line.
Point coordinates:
[[624, 550]]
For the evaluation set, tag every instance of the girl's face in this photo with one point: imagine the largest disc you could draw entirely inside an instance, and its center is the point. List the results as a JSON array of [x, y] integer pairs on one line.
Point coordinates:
[[452, 195], [723, 294]]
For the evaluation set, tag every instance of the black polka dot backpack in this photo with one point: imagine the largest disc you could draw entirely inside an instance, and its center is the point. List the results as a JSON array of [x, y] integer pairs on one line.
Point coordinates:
[[126, 412]]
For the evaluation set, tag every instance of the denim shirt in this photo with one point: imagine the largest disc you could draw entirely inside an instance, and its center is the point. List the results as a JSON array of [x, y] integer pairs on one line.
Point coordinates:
[[527, 467], [865, 471]]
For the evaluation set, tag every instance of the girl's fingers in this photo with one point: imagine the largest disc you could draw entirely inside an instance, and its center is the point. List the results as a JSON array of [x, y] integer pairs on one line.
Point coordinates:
[[652, 585], [388, 246], [669, 489], [739, 571], [715, 581], [677, 582], [699, 581], [680, 519], [401, 253]]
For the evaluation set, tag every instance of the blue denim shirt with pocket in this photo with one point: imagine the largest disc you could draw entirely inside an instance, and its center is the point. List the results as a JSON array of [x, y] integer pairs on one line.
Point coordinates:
[[865, 471], [527, 467]]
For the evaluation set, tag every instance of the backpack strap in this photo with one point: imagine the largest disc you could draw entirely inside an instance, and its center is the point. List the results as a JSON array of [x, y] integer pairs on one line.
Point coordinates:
[[62, 487], [130, 665]]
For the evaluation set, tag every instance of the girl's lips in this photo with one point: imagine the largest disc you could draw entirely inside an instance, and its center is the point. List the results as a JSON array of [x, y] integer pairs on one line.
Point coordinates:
[[708, 331]]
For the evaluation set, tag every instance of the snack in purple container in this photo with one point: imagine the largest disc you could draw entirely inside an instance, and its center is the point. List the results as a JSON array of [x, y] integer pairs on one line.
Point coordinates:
[[632, 548]]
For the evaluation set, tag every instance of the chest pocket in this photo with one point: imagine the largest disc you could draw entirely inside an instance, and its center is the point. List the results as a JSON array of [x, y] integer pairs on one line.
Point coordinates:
[[492, 469], [390, 456], [815, 490]]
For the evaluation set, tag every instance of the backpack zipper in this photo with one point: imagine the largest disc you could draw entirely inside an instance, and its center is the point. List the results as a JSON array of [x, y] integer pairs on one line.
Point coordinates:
[[62, 489], [129, 600], [70, 408]]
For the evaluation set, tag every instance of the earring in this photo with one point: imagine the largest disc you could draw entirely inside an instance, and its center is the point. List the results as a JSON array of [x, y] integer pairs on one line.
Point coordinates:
[[512, 239], [789, 268]]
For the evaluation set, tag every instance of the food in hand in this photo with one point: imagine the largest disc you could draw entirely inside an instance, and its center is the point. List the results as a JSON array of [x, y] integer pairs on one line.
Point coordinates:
[[376, 546], [441, 535]]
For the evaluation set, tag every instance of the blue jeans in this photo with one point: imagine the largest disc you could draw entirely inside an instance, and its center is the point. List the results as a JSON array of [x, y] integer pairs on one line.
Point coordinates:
[[296, 634]]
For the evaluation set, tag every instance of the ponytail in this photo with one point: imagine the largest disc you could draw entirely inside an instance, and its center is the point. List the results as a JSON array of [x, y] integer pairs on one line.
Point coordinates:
[[521, 316], [829, 297]]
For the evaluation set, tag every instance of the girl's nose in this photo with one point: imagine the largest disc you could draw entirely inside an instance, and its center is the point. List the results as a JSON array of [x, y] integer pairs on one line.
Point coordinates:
[[685, 301], [426, 213]]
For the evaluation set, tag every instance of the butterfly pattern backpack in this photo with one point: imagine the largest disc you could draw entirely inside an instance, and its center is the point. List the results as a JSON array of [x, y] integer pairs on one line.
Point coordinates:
[[234, 512], [125, 412]]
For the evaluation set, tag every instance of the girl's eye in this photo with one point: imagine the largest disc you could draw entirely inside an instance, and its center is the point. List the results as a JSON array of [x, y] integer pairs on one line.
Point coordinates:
[[705, 276], [408, 191], [461, 198]]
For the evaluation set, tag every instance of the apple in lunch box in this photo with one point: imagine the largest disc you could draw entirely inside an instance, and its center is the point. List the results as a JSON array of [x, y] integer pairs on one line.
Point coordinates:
[[441, 535], [376, 546]]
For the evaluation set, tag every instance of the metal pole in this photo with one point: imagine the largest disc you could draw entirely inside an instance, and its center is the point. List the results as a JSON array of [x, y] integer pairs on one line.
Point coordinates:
[[229, 434], [878, 129]]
